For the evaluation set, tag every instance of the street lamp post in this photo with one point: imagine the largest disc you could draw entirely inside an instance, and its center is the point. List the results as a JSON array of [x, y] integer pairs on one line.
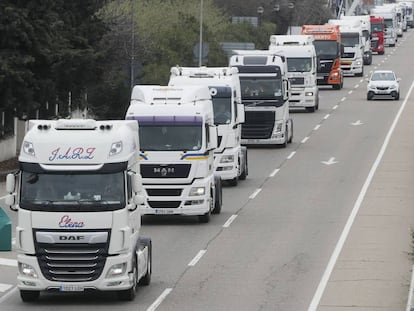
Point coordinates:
[[200, 47], [260, 11]]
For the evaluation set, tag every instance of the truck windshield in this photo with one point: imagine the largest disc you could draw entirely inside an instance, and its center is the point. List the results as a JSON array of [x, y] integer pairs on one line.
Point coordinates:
[[222, 110], [261, 88], [350, 39], [299, 64], [376, 27], [68, 191], [389, 23], [160, 136], [326, 49]]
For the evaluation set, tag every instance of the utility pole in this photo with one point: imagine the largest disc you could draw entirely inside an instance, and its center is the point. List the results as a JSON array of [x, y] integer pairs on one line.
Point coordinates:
[[132, 43], [200, 52]]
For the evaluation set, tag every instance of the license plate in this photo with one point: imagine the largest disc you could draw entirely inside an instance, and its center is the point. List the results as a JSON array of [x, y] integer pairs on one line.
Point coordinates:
[[382, 92], [320, 78], [163, 212], [71, 288]]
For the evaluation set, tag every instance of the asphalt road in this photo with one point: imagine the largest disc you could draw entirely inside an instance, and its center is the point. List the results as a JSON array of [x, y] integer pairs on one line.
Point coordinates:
[[271, 245]]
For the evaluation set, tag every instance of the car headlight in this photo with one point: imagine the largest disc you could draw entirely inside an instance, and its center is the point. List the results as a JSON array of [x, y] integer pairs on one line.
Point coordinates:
[[195, 191], [117, 270], [27, 270], [228, 158]]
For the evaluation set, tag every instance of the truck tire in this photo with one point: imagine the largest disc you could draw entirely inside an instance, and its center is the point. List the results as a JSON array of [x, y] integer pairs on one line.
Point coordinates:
[[206, 217], [291, 132], [245, 170], [146, 279], [336, 86], [129, 294], [218, 198], [233, 182], [310, 109], [29, 295]]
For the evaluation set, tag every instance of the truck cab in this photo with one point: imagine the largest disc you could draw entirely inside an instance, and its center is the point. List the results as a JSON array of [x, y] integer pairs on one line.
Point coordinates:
[[377, 31], [178, 139], [230, 157], [77, 195], [301, 69], [390, 19], [265, 96]]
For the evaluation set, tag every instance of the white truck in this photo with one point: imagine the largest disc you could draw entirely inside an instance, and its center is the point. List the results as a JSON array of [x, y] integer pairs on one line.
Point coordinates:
[[178, 139], [77, 195], [365, 24], [408, 4], [301, 69], [352, 62], [230, 157], [390, 19], [265, 96]]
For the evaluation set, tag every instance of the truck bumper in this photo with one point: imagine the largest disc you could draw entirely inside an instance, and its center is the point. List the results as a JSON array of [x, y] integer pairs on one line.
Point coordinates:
[[227, 170], [40, 283], [174, 199], [304, 97], [354, 68]]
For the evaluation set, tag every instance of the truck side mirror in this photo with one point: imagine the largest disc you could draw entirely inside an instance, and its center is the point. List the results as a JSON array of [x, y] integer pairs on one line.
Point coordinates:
[[213, 137], [139, 199], [136, 180], [240, 113], [10, 183]]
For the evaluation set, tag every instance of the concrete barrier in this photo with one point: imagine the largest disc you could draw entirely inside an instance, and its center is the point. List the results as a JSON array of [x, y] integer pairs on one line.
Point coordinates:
[[5, 231]]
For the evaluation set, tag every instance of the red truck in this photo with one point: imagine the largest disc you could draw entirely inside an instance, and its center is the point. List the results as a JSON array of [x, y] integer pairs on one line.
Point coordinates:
[[377, 32]]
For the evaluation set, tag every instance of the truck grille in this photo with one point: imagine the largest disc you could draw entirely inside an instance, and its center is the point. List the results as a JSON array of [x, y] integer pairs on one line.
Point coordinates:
[[71, 262], [258, 124], [164, 204], [164, 192], [297, 81], [165, 171], [348, 55], [325, 66], [374, 44]]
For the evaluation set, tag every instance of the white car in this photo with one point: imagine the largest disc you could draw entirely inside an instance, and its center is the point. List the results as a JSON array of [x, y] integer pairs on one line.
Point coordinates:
[[383, 83]]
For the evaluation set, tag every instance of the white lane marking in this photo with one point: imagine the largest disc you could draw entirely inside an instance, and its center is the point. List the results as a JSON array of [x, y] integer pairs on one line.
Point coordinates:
[[410, 291], [273, 174], [304, 140], [357, 123], [362, 80], [334, 107], [159, 300], [255, 193], [8, 262], [8, 294], [290, 156], [5, 287], [197, 257], [356, 86], [343, 99], [330, 161], [326, 117], [338, 248], [316, 127], [229, 221], [350, 92]]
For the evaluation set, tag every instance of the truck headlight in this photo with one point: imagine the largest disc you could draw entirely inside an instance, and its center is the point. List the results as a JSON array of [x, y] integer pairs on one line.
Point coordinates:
[[195, 191], [27, 270], [278, 126], [116, 270], [115, 148], [228, 158], [28, 148], [309, 94]]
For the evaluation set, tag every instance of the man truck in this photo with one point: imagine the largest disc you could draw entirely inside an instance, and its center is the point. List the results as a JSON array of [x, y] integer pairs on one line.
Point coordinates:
[[377, 32], [327, 41], [230, 157], [178, 139], [77, 195], [265, 96]]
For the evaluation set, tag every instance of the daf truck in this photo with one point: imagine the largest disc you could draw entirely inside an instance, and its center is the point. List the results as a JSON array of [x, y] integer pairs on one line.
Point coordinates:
[[327, 41], [178, 140], [302, 69], [265, 96], [230, 157], [77, 194]]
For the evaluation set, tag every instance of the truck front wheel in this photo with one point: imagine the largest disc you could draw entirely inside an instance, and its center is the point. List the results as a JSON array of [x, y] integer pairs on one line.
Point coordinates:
[[29, 295], [146, 279]]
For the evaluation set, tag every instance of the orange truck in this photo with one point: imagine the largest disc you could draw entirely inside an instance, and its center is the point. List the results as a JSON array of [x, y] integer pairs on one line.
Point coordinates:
[[327, 41]]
